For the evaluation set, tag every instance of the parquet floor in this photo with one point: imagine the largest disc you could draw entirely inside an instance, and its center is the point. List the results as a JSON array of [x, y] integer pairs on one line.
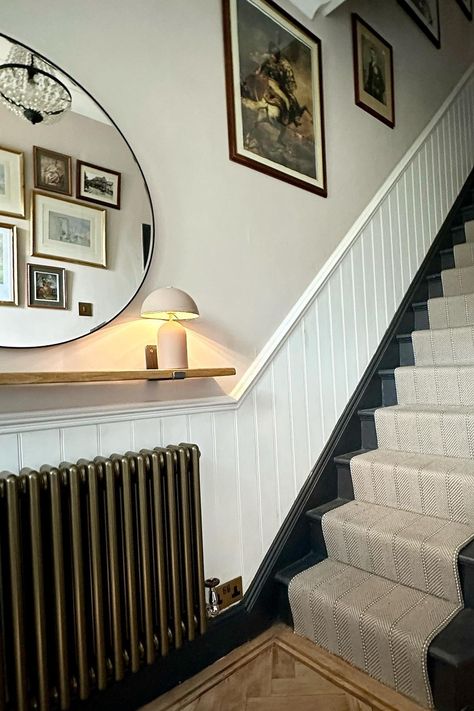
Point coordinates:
[[281, 672]]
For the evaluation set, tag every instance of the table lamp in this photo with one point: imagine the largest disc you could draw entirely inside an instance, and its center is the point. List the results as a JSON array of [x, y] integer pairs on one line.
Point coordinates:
[[172, 305]]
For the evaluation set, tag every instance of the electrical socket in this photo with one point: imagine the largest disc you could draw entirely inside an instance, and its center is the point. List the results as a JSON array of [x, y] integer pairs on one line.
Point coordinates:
[[229, 593]]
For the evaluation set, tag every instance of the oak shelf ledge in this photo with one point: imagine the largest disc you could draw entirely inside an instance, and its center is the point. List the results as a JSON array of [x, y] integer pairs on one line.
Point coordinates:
[[102, 376]]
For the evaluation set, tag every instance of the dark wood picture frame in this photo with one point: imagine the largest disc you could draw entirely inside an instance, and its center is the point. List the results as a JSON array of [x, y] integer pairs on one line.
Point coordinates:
[[33, 298], [81, 195], [434, 37], [466, 10], [363, 99], [250, 150], [59, 183]]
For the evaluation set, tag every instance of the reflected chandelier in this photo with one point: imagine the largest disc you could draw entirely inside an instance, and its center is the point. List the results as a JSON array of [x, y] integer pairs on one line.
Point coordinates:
[[30, 88]]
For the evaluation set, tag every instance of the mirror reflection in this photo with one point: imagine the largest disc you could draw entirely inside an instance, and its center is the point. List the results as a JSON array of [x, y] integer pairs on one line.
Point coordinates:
[[75, 215]]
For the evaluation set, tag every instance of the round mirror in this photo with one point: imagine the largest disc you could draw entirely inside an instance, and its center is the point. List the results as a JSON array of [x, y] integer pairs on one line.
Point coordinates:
[[76, 221]]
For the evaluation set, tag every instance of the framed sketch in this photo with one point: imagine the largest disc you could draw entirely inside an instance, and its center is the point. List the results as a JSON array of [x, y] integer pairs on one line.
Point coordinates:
[[12, 186], [274, 94], [46, 286], [8, 266], [96, 184], [426, 15], [466, 7], [67, 230], [52, 171], [373, 72]]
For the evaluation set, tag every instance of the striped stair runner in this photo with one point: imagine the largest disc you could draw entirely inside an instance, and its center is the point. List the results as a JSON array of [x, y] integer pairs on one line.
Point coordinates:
[[390, 583]]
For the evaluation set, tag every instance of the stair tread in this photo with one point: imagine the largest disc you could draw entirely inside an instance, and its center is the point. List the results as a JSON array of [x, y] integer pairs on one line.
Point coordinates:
[[318, 512], [346, 458], [284, 575]]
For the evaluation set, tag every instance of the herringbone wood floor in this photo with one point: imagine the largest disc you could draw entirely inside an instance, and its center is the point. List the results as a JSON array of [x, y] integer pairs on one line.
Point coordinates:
[[281, 672]]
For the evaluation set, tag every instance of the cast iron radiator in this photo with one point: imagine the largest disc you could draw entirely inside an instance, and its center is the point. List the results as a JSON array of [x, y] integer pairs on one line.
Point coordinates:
[[101, 572]]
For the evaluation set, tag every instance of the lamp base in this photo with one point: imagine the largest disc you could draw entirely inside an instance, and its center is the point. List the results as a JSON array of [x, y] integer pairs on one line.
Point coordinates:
[[172, 346]]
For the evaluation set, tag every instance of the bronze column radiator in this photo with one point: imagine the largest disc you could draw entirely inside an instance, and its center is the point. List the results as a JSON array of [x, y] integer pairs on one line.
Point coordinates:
[[101, 572]]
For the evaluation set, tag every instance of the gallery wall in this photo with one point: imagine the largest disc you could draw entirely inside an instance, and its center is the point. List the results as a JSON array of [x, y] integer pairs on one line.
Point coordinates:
[[95, 142], [243, 244]]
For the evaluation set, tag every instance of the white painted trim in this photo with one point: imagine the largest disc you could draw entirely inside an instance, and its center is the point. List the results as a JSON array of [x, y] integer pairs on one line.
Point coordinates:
[[308, 296]]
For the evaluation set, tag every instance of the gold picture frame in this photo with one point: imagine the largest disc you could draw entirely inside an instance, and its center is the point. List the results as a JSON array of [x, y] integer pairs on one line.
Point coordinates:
[[8, 265], [12, 183], [46, 287], [68, 230]]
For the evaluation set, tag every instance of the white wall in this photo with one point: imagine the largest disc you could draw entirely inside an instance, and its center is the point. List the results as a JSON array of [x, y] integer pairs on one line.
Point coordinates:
[[243, 244], [257, 453]]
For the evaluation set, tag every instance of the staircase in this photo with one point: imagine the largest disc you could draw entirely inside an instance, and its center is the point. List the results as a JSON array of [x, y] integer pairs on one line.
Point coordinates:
[[387, 581]]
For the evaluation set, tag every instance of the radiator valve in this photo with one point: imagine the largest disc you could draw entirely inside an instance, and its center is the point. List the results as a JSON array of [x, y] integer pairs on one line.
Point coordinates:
[[213, 599]]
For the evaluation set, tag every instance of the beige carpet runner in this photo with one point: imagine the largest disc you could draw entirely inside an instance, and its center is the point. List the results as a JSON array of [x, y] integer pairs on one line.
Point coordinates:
[[391, 582]]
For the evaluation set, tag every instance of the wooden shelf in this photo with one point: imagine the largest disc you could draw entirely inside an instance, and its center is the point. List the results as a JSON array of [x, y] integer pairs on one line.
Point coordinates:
[[102, 376]]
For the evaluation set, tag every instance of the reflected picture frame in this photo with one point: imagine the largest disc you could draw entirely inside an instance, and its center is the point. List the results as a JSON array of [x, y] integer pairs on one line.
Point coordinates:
[[8, 265], [46, 286], [276, 130], [68, 230], [97, 184], [52, 171], [12, 183], [373, 72], [425, 13]]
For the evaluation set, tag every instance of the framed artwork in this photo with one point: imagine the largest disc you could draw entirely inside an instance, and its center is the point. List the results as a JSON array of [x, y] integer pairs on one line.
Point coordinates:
[[52, 171], [373, 72], [67, 230], [96, 184], [46, 286], [274, 94], [12, 185], [8, 266], [466, 7], [426, 15]]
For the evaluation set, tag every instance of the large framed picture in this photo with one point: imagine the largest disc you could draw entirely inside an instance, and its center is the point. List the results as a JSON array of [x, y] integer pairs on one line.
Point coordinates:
[[466, 7], [274, 94], [426, 15], [67, 230], [12, 185], [52, 171], [373, 72], [46, 286], [96, 184], [8, 266]]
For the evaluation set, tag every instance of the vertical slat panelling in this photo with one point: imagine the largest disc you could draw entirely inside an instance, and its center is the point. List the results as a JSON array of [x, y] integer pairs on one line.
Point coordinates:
[[326, 362], [392, 203], [431, 197], [9, 453], [337, 336], [436, 177], [449, 139], [252, 538], [424, 199], [146, 433], [269, 494], [115, 437], [175, 429], [445, 166], [40, 447], [410, 222], [79, 443], [417, 212], [313, 383], [402, 241], [381, 287], [360, 314], [299, 408], [284, 425], [386, 239], [202, 432], [227, 516], [369, 291], [347, 286]]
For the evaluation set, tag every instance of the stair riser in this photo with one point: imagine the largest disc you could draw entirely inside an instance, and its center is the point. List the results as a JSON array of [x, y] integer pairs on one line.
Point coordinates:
[[406, 354], [435, 286], [368, 432], [447, 259], [389, 389], [422, 322], [345, 489]]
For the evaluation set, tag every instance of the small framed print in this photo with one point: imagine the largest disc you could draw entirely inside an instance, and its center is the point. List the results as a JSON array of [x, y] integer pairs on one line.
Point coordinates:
[[373, 72], [12, 186], [426, 15], [52, 171], [46, 286], [274, 94], [8, 266], [96, 184], [67, 230], [466, 7]]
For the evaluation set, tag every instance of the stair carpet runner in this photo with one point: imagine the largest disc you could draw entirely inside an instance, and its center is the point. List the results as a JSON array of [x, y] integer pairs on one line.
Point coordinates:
[[391, 582]]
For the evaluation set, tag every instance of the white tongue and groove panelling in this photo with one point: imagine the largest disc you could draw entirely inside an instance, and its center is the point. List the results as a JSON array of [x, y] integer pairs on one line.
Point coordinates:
[[258, 449]]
